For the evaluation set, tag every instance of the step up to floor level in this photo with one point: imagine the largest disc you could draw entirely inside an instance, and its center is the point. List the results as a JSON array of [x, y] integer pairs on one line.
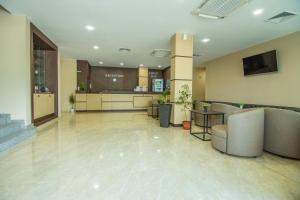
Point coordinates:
[[14, 138], [13, 132], [4, 119], [11, 127]]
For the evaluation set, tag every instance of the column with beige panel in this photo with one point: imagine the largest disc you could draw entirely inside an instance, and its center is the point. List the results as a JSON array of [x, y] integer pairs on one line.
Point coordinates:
[[181, 71], [143, 76]]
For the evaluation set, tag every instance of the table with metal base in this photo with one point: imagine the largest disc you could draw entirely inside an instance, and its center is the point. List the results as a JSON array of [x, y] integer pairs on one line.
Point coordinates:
[[155, 106], [205, 123]]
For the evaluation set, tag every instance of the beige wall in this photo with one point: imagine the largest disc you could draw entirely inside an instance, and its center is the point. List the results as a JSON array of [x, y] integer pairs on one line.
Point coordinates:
[[15, 66], [225, 80], [199, 76], [68, 81]]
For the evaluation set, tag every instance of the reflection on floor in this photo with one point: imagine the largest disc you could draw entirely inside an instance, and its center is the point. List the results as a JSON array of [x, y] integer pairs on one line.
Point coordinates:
[[128, 156]]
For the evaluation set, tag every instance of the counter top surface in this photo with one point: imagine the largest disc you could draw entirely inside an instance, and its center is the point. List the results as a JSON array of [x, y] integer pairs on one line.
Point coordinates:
[[121, 92]]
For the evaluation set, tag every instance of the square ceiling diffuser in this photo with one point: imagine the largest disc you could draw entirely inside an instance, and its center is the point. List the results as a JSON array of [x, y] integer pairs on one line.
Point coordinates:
[[161, 53], [218, 9], [283, 16]]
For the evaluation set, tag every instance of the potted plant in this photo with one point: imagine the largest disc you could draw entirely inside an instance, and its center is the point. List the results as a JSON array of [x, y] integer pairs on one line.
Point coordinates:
[[72, 102], [164, 110], [205, 106], [242, 106], [82, 86], [185, 99]]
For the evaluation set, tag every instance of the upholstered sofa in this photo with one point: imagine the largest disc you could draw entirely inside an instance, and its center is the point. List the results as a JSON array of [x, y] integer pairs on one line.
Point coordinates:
[[282, 132], [243, 135]]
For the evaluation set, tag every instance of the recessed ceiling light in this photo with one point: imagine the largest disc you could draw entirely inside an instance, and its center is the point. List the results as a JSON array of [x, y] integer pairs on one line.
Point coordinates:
[[159, 66], [121, 63], [101, 62], [141, 65], [96, 47], [258, 11], [205, 40], [89, 28]]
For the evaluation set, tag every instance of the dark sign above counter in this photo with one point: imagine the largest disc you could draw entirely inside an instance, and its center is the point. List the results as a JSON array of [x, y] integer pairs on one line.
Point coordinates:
[[110, 78]]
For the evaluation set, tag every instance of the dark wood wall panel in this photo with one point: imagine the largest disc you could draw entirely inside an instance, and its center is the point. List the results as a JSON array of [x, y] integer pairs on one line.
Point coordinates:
[[166, 75], [102, 78], [83, 74]]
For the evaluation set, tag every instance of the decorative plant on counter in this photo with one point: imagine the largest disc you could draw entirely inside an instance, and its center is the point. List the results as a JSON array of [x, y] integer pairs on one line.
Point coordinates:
[[72, 101], [82, 86], [185, 99], [163, 97], [205, 106], [242, 106]]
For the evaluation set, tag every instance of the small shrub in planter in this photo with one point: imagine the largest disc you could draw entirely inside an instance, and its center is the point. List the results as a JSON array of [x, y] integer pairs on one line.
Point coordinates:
[[185, 99]]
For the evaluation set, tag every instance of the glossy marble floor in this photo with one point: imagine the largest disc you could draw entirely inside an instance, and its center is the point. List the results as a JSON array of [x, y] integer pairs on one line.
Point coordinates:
[[89, 156]]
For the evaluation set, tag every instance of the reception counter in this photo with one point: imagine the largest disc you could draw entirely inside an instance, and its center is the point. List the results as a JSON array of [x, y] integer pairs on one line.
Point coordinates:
[[115, 100]]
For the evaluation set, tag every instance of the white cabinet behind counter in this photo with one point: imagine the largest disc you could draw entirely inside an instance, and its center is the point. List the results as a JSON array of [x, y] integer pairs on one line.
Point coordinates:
[[113, 102]]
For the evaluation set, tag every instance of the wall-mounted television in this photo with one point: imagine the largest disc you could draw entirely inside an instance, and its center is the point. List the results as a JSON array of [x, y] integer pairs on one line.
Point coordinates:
[[261, 63]]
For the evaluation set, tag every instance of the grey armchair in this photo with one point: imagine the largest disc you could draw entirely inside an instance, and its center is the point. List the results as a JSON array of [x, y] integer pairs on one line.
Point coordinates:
[[243, 135], [282, 132], [221, 107]]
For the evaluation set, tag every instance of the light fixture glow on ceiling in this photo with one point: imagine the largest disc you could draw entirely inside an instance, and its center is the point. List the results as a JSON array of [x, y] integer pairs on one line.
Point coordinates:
[[205, 40], [96, 47], [89, 28], [258, 11], [159, 66], [121, 63], [101, 62], [209, 16], [185, 36]]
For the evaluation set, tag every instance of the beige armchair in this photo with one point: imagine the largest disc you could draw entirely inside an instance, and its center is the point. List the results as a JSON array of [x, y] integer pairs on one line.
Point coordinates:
[[243, 135]]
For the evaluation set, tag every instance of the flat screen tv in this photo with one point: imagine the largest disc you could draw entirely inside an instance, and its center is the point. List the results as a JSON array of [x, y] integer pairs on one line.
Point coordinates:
[[261, 63]]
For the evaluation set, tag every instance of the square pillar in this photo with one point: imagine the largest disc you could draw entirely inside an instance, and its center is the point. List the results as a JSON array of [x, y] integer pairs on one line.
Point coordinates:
[[181, 72], [143, 76]]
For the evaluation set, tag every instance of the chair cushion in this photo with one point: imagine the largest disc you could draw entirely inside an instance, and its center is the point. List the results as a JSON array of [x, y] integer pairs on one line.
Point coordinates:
[[220, 130]]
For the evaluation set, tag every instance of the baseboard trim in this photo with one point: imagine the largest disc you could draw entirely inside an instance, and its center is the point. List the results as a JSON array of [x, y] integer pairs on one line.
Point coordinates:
[[176, 125]]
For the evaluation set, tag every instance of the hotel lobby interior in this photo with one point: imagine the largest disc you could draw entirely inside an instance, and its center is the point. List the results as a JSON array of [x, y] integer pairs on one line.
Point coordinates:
[[150, 100]]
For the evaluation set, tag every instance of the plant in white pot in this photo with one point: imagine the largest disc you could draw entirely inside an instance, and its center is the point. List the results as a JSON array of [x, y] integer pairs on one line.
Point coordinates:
[[185, 99], [72, 102]]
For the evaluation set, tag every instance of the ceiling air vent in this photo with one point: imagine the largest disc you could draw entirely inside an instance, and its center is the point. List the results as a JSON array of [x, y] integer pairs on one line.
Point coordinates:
[[122, 49], [218, 9], [281, 17], [161, 53]]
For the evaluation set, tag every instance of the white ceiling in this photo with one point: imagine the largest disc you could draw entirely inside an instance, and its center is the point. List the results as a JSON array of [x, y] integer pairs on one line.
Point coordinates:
[[144, 25]]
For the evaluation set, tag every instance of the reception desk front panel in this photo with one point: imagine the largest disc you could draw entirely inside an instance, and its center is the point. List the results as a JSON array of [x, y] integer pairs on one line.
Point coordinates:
[[113, 102]]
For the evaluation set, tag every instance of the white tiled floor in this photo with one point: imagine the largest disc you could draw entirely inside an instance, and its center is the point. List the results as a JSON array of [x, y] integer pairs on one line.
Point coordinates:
[[128, 156]]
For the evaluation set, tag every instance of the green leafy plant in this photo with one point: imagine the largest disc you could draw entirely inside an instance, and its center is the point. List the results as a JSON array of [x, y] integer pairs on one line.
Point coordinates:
[[72, 100], [82, 86], [185, 99], [163, 97], [205, 106], [242, 105]]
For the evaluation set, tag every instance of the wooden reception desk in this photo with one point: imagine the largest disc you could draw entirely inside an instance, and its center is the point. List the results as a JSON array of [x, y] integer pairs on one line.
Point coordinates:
[[114, 101]]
